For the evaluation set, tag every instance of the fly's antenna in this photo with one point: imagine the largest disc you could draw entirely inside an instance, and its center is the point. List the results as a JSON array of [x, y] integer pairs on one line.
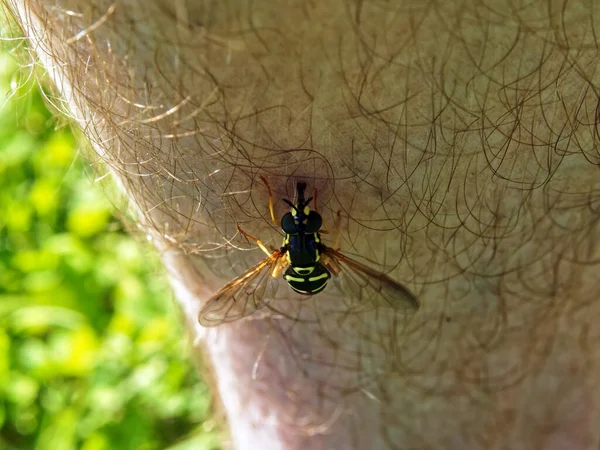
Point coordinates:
[[301, 187], [301, 202]]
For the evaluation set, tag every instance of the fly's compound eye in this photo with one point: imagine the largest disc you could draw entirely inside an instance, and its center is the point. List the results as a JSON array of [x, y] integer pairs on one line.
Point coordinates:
[[306, 210]]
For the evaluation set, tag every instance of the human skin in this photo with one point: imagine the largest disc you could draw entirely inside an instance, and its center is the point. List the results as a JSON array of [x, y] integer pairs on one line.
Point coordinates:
[[459, 142]]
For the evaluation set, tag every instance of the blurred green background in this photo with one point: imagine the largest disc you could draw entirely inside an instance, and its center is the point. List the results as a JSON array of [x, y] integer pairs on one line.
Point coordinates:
[[92, 352]]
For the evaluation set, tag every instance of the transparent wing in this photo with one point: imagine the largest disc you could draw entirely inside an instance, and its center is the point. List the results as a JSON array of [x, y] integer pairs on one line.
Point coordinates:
[[366, 284], [244, 295]]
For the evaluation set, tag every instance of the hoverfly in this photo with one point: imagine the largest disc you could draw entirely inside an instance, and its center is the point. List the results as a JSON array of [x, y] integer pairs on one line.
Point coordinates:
[[308, 263]]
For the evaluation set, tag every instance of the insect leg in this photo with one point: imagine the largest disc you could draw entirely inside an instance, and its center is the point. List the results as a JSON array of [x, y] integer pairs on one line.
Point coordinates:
[[316, 201], [258, 241], [331, 265], [323, 229], [270, 199], [279, 266], [336, 230]]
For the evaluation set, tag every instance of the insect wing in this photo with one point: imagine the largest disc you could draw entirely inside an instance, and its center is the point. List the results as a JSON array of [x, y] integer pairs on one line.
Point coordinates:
[[244, 295], [367, 284]]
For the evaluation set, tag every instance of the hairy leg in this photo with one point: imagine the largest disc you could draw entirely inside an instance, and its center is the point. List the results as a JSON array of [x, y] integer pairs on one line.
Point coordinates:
[[459, 140]]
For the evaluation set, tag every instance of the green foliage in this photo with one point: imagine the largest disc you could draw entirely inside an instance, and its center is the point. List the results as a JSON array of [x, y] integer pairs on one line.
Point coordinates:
[[92, 354]]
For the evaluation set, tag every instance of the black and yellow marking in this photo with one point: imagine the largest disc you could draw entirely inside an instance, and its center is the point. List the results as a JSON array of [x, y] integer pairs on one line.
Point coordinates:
[[308, 265], [302, 246], [307, 280]]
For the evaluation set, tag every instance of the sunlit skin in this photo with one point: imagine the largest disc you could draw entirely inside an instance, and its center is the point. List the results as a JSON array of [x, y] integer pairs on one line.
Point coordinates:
[[458, 140]]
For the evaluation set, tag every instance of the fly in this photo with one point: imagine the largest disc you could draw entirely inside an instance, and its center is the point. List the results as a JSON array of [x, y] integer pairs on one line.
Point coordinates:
[[307, 265]]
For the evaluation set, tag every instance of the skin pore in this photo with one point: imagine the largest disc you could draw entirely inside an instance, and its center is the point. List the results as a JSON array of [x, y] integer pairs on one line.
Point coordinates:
[[459, 141]]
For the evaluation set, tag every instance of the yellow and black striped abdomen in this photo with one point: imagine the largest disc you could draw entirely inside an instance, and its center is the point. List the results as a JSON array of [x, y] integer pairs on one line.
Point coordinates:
[[307, 280]]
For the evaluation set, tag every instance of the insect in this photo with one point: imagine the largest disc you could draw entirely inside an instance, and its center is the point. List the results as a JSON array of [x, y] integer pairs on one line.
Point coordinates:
[[307, 265]]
